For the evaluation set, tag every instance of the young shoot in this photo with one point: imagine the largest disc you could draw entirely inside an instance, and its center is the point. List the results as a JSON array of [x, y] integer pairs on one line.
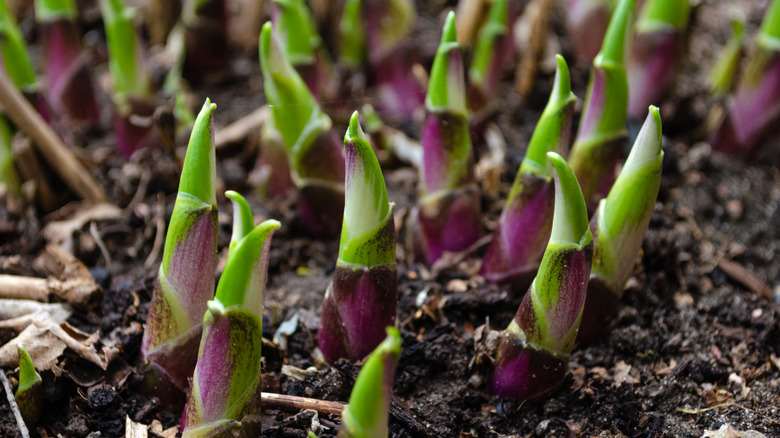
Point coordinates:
[[132, 95], [620, 223], [448, 215], [494, 46], [352, 42], [524, 226], [303, 46], [367, 413], [533, 352], [602, 131], [362, 297], [29, 393], [313, 155], [70, 86], [185, 281], [754, 109], [225, 396], [656, 52], [724, 72], [13, 52]]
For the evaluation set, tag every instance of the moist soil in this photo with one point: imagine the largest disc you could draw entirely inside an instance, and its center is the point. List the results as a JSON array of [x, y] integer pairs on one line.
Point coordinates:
[[693, 346]]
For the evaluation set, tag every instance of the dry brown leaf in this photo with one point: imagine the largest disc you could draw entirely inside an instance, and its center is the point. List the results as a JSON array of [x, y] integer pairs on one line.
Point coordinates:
[[10, 309], [726, 431], [46, 339], [624, 374], [663, 369], [134, 430], [61, 232]]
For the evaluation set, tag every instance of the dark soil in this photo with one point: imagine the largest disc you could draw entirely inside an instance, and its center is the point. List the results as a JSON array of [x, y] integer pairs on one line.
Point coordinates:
[[694, 345]]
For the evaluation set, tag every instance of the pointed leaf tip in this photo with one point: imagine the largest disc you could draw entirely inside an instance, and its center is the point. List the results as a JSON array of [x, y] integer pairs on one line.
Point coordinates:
[[354, 131], [562, 85], [243, 221], [618, 36], [27, 374], [199, 174], [570, 219], [449, 32], [647, 145], [393, 341]]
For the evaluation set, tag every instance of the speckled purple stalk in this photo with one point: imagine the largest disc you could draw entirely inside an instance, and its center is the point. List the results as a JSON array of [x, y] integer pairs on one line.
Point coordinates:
[[601, 305], [320, 180], [359, 304], [442, 133], [136, 129], [521, 237], [191, 269], [449, 221], [651, 69], [525, 372], [231, 344], [70, 85], [533, 362], [752, 114]]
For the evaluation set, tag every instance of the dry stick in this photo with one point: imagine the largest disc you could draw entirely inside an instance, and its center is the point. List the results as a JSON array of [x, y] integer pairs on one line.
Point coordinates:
[[12, 402], [291, 403], [470, 15], [59, 157], [159, 233], [239, 130], [529, 59], [24, 288]]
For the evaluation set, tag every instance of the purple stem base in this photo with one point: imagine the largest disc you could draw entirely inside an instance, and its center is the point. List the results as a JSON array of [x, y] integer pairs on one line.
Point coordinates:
[[752, 115], [449, 222], [521, 237], [360, 304], [601, 305], [135, 130], [650, 70], [523, 372]]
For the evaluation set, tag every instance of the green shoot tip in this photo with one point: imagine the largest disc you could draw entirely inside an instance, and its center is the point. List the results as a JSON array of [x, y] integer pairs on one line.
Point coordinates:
[[570, 219], [449, 33]]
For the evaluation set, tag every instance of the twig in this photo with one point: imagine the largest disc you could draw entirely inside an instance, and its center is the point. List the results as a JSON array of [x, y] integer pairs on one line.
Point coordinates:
[[529, 59], [93, 231], [470, 15], [745, 277], [59, 157], [159, 234], [12, 402], [24, 288], [698, 411], [239, 130], [293, 403]]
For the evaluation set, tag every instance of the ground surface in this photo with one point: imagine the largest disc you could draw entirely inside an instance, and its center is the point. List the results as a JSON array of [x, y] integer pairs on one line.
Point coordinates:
[[694, 345]]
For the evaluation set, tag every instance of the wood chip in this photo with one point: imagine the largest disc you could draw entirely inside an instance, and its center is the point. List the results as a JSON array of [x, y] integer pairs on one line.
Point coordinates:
[[54, 151], [133, 429], [745, 277]]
